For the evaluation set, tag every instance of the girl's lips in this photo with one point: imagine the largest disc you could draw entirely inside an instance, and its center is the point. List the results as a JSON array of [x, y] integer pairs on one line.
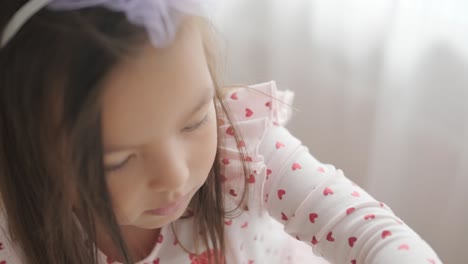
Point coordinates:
[[168, 209]]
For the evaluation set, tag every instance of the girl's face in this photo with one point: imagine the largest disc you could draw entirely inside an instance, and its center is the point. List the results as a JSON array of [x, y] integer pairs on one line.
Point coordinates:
[[159, 131]]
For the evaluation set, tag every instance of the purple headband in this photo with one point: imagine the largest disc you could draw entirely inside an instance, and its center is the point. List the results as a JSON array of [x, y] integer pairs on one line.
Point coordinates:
[[159, 17]]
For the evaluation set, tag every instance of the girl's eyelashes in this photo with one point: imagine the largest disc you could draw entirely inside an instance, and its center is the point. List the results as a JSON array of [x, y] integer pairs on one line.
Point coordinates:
[[116, 167], [112, 168], [197, 125]]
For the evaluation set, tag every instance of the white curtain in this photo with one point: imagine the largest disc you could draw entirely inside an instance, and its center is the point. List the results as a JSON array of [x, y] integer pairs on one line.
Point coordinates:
[[382, 88]]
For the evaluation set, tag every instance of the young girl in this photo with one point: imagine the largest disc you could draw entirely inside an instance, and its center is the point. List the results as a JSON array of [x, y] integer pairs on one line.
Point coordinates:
[[118, 146]]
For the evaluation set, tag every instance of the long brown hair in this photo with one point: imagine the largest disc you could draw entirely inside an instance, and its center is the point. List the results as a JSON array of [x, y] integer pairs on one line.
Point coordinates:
[[50, 135]]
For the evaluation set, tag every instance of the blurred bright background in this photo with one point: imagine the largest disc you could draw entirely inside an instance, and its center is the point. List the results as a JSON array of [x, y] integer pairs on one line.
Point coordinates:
[[382, 88]]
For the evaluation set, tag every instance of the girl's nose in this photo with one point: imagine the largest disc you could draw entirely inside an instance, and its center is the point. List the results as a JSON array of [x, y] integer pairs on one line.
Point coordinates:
[[168, 170]]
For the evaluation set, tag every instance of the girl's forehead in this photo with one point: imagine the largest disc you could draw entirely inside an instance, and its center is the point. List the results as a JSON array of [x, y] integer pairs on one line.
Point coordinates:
[[154, 92]]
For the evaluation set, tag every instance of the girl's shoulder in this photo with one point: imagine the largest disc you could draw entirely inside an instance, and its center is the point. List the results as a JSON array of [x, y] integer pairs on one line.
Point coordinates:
[[262, 100], [254, 111]]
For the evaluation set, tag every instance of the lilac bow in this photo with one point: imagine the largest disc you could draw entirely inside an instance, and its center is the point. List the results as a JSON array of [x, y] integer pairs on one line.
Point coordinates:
[[160, 17]]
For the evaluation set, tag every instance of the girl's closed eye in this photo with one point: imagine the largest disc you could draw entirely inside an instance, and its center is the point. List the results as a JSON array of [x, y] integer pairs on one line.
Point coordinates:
[[197, 125], [120, 165]]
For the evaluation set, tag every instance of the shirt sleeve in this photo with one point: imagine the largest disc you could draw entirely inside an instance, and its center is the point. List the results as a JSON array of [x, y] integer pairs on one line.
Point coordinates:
[[8, 253], [340, 221]]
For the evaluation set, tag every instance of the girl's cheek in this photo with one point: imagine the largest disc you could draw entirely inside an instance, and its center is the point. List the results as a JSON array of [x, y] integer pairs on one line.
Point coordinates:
[[124, 194]]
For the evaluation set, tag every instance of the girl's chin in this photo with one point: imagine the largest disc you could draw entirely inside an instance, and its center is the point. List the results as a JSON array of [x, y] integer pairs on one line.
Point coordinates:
[[159, 218]]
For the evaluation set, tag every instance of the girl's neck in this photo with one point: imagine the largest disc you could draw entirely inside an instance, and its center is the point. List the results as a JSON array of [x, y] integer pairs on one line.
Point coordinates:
[[140, 242]]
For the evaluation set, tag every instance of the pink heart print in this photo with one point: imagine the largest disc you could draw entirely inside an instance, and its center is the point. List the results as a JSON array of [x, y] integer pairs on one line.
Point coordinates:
[[403, 247], [312, 217], [279, 145], [327, 191], [350, 210], [351, 241], [386, 233], [314, 241], [234, 96], [230, 131], [248, 159], [232, 192], [296, 166], [369, 216], [281, 192], [248, 112], [251, 179]]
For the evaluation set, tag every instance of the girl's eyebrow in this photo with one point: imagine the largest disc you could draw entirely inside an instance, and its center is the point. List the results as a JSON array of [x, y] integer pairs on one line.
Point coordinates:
[[111, 149], [206, 97]]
